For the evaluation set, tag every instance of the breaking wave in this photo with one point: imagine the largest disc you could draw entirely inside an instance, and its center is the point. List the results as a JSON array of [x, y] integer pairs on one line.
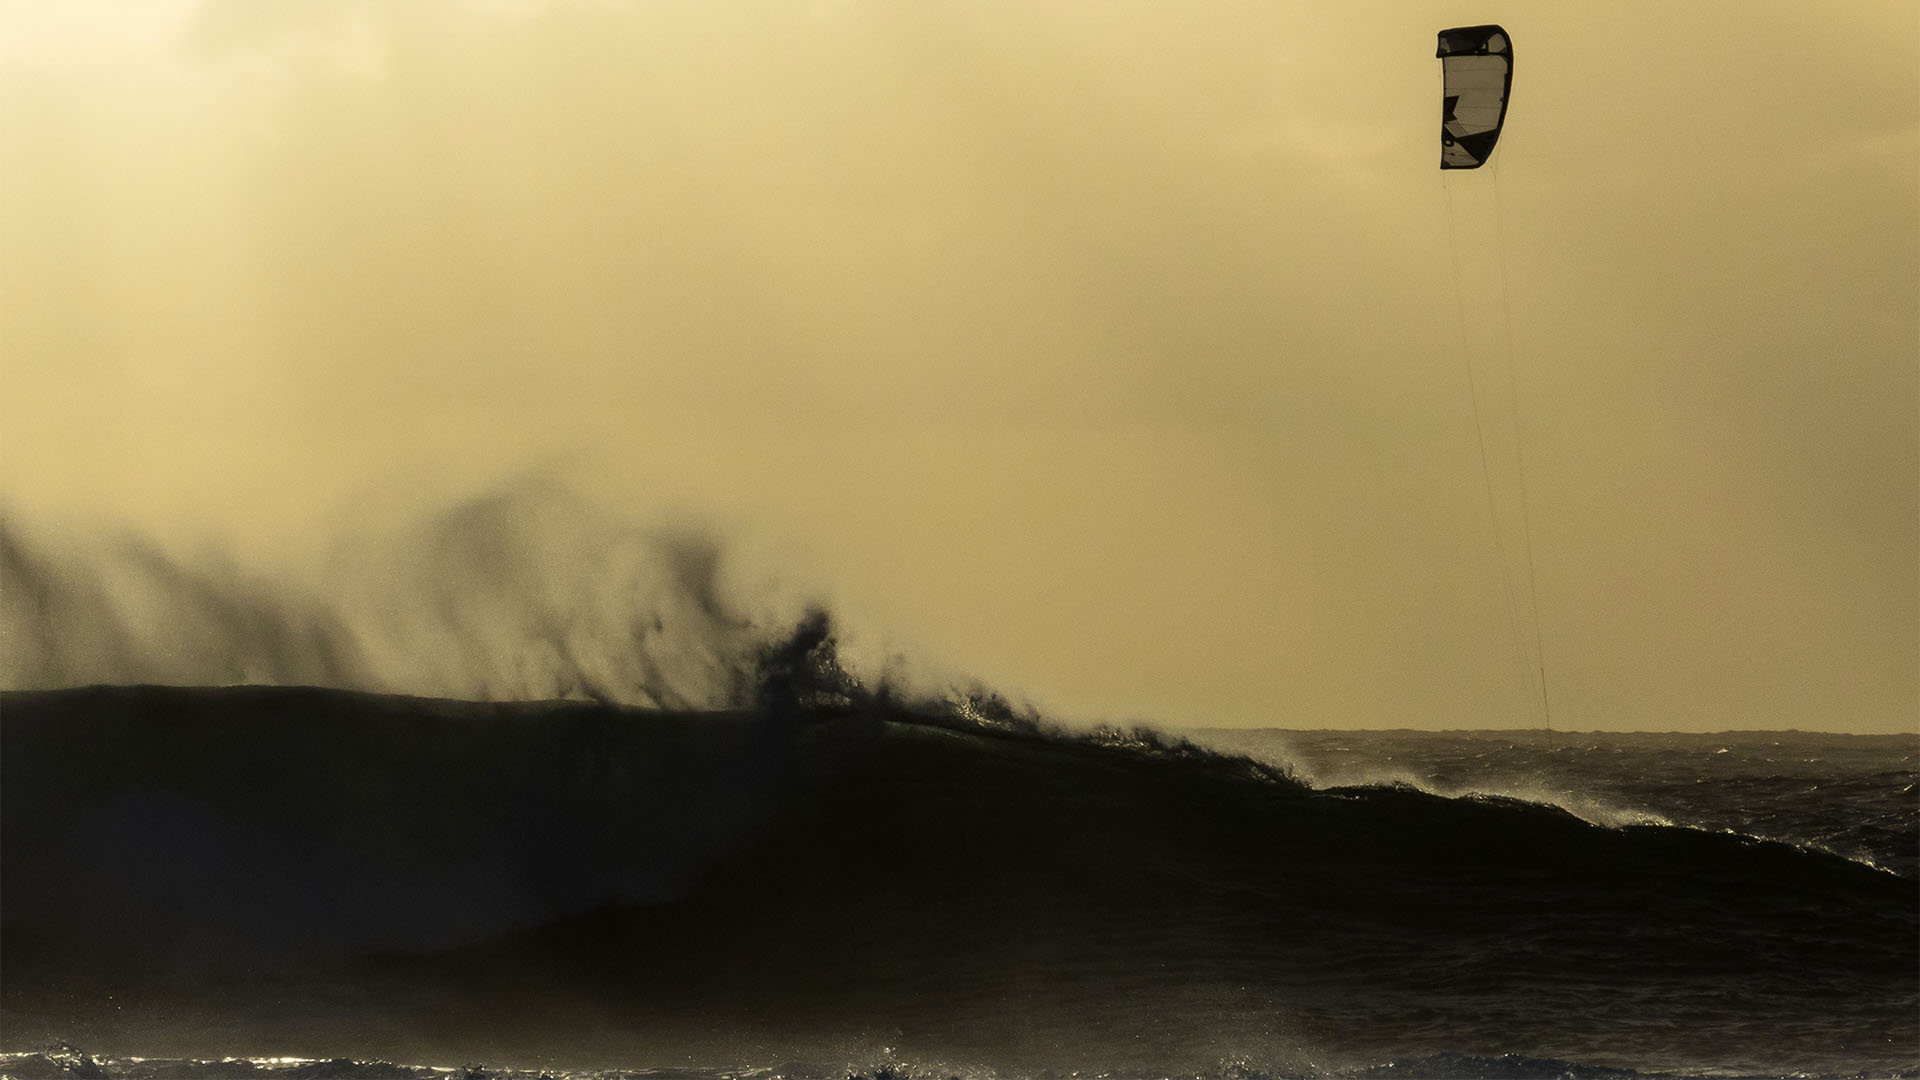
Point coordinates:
[[525, 781]]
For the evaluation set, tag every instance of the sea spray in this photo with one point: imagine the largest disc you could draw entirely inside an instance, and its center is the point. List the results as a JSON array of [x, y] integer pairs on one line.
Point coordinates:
[[522, 594]]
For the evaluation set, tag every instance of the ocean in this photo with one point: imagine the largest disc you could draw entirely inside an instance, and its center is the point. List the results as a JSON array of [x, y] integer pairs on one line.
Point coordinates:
[[286, 881]]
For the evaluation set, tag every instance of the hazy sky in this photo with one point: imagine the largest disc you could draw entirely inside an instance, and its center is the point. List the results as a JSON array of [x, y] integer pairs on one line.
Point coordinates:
[[1116, 353]]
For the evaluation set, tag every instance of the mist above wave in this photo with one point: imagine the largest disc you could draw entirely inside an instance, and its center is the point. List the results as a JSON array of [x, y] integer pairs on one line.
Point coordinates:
[[525, 594]]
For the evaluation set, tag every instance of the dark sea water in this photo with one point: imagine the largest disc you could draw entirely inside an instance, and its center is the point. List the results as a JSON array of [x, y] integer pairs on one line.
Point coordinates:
[[292, 882]]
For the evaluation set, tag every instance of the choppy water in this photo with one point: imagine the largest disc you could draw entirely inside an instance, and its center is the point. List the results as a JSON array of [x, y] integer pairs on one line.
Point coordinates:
[[345, 882]]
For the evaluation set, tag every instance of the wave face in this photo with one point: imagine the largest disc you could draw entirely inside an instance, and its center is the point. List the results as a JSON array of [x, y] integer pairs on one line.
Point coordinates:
[[206, 873]]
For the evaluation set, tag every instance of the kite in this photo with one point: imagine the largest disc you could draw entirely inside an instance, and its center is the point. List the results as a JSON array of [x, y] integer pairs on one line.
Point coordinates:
[[1477, 72]]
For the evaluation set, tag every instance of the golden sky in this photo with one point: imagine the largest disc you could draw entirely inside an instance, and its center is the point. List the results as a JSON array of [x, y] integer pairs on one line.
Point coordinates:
[[1116, 353]]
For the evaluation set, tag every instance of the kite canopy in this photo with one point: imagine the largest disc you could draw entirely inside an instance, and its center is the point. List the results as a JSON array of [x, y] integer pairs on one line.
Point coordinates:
[[1476, 65]]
